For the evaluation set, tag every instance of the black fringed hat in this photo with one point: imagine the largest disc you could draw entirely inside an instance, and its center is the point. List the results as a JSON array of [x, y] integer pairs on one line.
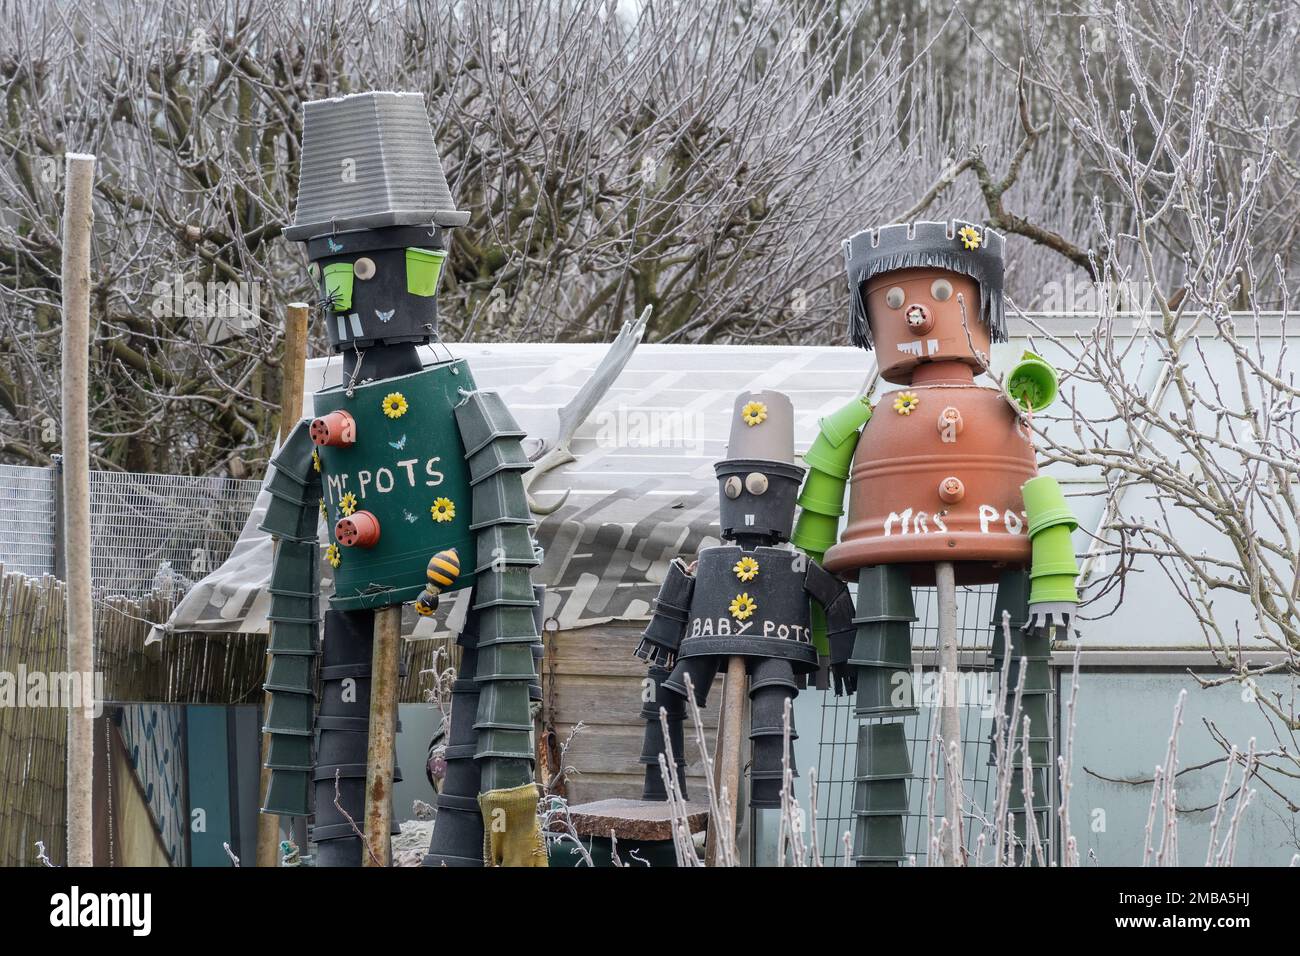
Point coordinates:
[[958, 246]]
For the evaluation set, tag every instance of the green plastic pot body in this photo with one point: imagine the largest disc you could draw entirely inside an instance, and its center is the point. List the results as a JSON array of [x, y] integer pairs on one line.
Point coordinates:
[[338, 285], [423, 268], [1045, 505], [843, 423], [286, 794], [396, 469], [1054, 567], [823, 494], [1031, 384], [815, 533]]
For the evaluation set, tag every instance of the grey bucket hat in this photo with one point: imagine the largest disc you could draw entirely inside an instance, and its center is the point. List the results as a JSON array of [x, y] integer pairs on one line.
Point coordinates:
[[958, 246], [369, 162]]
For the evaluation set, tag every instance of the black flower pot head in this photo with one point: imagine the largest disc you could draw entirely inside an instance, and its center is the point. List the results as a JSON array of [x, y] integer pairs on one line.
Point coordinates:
[[885, 594], [883, 752], [883, 643]]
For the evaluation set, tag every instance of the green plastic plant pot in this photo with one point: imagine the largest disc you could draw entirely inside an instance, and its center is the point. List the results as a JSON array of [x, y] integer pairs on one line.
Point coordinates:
[[503, 545], [498, 455], [880, 797], [292, 637], [504, 773], [822, 494], [1054, 588], [878, 838], [1045, 504], [290, 714], [1016, 797], [1031, 384], [1012, 596], [285, 485], [291, 673], [504, 624], [289, 752], [885, 594], [507, 662], [482, 417], [338, 285], [826, 458], [508, 586], [423, 267], [291, 520], [815, 533], [294, 605], [1020, 828], [1033, 646], [1038, 676], [882, 752], [505, 744], [843, 423], [503, 705], [885, 644], [500, 502], [296, 566], [287, 793], [883, 692]]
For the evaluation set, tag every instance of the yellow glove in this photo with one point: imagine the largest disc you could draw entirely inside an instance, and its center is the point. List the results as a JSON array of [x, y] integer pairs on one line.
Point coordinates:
[[512, 833]]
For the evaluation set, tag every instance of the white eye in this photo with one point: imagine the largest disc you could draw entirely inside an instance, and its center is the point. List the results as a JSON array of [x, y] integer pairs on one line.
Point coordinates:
[[732, 487], [756, 482], [364, 268], [313, 270], [941, 290], [894, 297]]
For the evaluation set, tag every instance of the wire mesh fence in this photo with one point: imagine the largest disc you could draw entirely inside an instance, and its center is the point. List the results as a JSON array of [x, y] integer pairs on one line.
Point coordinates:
[[979, 699], [150, 534]]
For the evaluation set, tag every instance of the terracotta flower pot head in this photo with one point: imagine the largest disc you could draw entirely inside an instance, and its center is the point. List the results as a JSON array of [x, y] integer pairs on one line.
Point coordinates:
[[925, 292]]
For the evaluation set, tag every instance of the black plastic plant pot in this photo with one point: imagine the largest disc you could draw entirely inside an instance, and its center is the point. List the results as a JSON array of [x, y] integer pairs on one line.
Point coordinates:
[[885, 594], [349, 697], [291, 520], [503, 705], [287, 793], [506, 625], [294, 457], [884, 643], [284, 484], [294, 606], [883, 692], [767, 708], [766, 758], [882, 752], [349, 637], [878, 838], [482, 417], [507, 744], [500, 502], [457, 839], [765, 794], [504, 586], [289, 752], [338, 854], [1038, 676], [500, 454], [296, 566], [342, 747], [292, 638], [1013, 597], [351, 796], [880, 797], [506, 773], [464, 711], [504, 545], [509, 662], [1033, 645], [461, 778], [290, 713], [291, 673]]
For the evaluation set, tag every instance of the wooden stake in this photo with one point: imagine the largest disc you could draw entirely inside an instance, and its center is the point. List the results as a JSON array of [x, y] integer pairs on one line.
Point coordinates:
[[78, 218], [949, 717], [726, 755], [383, 735], [293, 373]]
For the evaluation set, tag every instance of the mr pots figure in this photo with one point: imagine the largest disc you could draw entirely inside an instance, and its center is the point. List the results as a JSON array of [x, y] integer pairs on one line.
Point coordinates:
[[750, 597], [418, 475]]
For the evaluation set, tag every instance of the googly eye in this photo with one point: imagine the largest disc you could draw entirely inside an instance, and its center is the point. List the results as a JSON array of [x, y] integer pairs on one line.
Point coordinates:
[[941, 290], [364, 268], [732, 487], [894, 297], [756, 482]]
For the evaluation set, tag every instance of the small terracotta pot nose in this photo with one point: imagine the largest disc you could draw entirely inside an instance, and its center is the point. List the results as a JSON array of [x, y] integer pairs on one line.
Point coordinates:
[[951, 490], [337, 429], [919, 320], [950, 418], [361, 530]]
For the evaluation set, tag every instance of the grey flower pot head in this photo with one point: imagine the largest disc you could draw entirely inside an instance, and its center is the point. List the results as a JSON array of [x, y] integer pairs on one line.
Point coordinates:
[[292, 637], [290, 714], [884, 691], [289, 752], [885, 594], [483, 417], [511, 586], [291, 673], [878, 838], [498, 455], [505, 545], [880, 797], [883, 643], [287, 793], [883, 752], [500, 502]]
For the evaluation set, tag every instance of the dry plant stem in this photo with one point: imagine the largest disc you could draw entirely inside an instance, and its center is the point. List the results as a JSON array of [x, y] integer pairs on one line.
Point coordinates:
[[1065, 761], [338, 805]]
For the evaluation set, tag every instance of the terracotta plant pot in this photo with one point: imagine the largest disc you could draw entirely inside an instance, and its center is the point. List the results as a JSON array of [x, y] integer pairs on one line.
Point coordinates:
[[337, 429], [360, 530]]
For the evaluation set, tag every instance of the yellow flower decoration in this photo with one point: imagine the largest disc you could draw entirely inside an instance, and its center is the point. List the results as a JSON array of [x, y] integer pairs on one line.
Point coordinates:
[[970, 237], [444, 509], [348, 504], [742, 606], [746, 569], [315, 460], [333, 556], [754, 413], [906, 403], [323, 512], [394, 405]]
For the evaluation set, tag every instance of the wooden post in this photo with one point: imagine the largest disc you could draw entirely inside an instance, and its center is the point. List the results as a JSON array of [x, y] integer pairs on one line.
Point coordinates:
[[726, 755], [78, 218], [293, 372], [949, 716], [383, 735]]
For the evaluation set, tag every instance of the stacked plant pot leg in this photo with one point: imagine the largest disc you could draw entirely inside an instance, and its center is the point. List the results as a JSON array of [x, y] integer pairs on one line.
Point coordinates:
[[771, 684], [458, 828], [291, 518], [344, 723], [652, 742], [882, 658]]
